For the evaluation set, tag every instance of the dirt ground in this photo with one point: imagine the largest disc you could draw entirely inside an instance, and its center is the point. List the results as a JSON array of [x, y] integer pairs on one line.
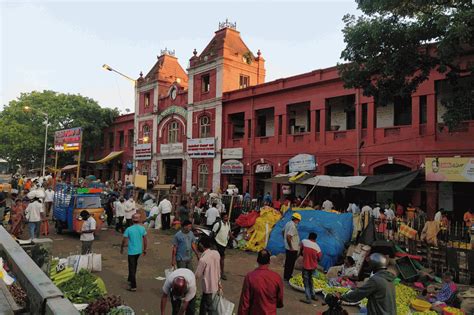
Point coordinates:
[[147, 298]]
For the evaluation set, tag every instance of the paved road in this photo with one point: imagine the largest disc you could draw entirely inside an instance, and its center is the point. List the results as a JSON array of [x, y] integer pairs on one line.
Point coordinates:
[[147, 298]]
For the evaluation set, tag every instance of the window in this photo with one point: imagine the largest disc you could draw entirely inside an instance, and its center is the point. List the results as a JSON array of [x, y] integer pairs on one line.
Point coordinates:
[[173, 132], [111, 140], [350, 117], [364, 115], [203, 174], [244, 81], [299, 118], [204, 127], [130, 138], [205, 83], [402, 110], [121, 139], [146, 133], [318, 120], [423, 109], [265, 122], [238, 125], [147, 99]]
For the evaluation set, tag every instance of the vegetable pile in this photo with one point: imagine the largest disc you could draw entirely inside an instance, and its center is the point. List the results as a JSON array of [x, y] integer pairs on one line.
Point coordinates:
[[104, 305], [453, 310], [60, 274], [404, 295], [19, 295], [84, 287], [318, 284]]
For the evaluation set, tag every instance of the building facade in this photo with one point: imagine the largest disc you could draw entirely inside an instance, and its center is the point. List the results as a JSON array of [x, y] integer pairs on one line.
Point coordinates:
[[218, 123]]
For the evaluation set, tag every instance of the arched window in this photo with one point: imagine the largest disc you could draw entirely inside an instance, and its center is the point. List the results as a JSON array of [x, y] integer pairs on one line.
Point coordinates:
[[146, 133], [173, 132], [204, 127], [203, 175]]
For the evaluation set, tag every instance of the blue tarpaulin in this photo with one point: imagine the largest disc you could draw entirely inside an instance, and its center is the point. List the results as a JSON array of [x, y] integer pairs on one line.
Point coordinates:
[[334, 231]]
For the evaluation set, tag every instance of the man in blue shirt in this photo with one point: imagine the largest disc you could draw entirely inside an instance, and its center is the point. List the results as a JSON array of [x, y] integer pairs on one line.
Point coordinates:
[[184, 243], [135, 238]]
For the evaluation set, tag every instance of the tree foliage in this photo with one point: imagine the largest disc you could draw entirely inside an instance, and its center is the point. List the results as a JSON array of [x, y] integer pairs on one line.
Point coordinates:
[[392, 48], [22, 132]]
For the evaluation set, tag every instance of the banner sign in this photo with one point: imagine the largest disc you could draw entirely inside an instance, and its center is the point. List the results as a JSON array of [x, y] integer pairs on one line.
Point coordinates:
[[201, 148], [232, 167], [445, 169], [263, 168], [233, 153], [143, 151], [302, 162], [171, 148], [68, 140]]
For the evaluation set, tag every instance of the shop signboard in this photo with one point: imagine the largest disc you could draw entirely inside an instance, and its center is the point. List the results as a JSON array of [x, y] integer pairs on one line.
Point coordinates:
[[68, 140], [232, 167], [143, 151], [449, 169], [302, 162], [171, 148], [233, 153], [263, 168], [201, 148]]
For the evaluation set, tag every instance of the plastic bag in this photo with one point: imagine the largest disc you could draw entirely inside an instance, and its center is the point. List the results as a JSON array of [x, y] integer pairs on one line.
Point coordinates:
[[225, 307]]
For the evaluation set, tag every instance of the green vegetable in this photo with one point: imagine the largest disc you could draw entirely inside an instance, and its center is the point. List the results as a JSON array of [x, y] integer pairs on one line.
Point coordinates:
[[82, 288]]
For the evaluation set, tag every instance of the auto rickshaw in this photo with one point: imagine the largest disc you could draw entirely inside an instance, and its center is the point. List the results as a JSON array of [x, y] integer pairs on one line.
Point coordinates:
[[68, 204]]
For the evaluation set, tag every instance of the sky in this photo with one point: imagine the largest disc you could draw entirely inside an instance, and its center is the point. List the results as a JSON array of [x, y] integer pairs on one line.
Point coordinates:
[[62, 45]]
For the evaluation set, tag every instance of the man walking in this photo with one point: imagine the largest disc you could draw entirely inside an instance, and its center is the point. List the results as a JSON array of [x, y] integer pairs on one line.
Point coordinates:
[[34, 213], [292, 244], [87, 232], [211, 215], [165, 209], [180, 286], [208, 270], [135, 238], [120, 214], [311, 255], [222, 234], [130, 210], [262, 291], [184, 243], [48, 200]]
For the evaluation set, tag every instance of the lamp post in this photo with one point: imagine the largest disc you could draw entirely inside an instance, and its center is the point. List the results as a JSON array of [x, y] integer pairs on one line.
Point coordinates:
[[27, 109], [109, 68]]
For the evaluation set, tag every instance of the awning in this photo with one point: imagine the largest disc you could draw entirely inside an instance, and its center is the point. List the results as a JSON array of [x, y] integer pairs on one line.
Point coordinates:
[[285, 178], [112, 155], [389, 182], [334, 181], [69, 167]]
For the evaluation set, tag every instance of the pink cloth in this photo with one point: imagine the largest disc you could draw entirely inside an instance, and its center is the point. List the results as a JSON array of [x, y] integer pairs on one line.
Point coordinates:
[[209, 269]]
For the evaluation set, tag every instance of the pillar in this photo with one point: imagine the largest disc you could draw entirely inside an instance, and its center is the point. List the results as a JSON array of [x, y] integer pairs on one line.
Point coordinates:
[[322, 123], [371, 112], [431, 199], [431, 119], [415, 115]]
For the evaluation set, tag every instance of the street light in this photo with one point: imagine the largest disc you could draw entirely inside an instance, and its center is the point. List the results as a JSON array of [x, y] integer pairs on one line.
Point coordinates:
[[109, 68], [27, 109]]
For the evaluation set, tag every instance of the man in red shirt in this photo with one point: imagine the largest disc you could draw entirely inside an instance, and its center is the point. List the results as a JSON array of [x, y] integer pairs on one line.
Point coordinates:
[[311, 255], [262, 292]]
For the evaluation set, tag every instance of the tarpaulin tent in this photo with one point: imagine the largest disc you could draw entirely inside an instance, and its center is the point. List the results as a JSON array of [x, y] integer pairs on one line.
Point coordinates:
[[388, 182], [334, 231]]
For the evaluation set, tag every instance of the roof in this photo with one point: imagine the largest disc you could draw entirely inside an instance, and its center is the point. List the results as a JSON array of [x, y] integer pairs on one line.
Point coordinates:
[[166, 68]]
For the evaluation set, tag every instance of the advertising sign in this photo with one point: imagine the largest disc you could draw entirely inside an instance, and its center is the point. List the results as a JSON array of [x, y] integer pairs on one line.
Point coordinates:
[[455, 169], [68, 140], [201, 148], [232, 153], [143, 151], [302, 162], [232, 167], [263, 168], [171, 148]]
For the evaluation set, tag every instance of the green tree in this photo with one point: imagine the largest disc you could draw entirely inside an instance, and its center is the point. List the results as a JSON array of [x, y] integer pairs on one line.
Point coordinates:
[[22, 133], [391, 49]]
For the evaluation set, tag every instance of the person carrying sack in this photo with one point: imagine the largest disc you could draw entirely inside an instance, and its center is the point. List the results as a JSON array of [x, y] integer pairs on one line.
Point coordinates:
[[221, 234]]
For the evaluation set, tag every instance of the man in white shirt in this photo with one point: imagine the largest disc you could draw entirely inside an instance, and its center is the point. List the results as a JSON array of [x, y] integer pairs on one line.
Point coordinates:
[[120, 214], [87, 232], [222, 234], [165, 208], [292, 245], [180, 286], [34, 213], [130, 210], [327, 205], [48, 200], [152, 218], [439, 215], [376, 211], [211, 215]]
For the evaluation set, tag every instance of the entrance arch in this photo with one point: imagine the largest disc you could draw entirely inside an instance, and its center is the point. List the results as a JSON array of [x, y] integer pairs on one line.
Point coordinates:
[[339, 169], [390, 169]]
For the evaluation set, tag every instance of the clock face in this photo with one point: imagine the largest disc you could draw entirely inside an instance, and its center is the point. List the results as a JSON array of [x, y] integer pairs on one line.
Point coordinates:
[[173, 93]]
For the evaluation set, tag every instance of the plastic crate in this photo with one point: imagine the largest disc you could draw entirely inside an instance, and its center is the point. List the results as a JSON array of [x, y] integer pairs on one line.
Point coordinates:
[[407, 269]]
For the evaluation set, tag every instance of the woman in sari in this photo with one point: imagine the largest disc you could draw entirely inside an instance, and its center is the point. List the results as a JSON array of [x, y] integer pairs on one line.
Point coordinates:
[[17, 218]]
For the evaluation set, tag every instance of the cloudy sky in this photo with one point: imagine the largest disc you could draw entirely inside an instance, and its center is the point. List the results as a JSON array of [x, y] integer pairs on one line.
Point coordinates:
[[61, 45]]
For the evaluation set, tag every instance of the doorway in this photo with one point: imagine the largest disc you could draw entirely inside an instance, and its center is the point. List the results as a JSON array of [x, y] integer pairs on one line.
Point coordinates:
[[173, 171]]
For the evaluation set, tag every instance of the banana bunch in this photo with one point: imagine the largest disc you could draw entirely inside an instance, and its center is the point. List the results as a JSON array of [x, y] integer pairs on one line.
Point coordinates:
[[333, 290], [453, 310], [404, 295], [425, 313], [318, 283]]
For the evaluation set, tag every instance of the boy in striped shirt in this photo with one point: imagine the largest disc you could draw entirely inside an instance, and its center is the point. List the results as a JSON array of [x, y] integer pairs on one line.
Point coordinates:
[[311, 255]]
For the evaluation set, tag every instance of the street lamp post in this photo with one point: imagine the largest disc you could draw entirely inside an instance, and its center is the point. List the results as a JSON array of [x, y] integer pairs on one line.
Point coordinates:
[[109, 68], [27, 108]]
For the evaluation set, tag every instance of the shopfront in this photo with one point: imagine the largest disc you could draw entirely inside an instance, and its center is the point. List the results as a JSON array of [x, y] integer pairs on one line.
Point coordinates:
[[263, 171], [233, 171]]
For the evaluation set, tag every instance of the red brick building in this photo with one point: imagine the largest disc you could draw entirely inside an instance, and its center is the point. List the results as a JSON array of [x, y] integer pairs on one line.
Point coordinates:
[[218, 122]]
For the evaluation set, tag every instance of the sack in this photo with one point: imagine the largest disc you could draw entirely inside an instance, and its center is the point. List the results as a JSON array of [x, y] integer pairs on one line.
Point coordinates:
[[96, 262], [224, 306]]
